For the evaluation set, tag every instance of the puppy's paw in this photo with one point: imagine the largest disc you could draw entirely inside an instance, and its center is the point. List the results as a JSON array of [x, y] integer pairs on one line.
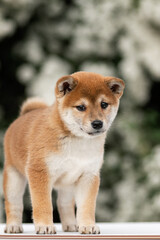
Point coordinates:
[[70, 228], [91, 229], [45, 229], [13, 228]]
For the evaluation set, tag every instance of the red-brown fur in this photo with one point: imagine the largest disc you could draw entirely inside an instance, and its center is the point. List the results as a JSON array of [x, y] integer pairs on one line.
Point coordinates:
[[40, 130]]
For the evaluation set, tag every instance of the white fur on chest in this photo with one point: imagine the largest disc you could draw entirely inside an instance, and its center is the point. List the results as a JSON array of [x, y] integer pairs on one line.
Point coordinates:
[[78, 156]]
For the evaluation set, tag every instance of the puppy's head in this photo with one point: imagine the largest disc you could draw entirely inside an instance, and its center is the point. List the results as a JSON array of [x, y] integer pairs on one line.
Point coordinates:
[[88, 102]]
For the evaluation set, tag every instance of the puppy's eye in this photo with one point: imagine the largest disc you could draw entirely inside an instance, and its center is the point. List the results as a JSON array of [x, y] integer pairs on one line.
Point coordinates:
[[81, 108], [104, 105]]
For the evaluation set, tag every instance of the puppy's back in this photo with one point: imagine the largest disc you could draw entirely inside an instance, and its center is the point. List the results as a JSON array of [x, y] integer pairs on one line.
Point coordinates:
[[17, 137]]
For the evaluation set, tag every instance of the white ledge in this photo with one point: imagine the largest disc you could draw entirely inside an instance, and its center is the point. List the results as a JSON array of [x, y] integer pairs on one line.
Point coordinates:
[[108, 231]]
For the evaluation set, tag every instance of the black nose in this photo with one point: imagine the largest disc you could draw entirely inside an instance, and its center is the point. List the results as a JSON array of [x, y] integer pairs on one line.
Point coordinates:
[[97, 124]]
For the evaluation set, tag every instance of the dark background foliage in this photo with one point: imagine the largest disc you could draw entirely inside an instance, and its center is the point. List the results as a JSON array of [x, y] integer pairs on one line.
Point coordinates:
[[41, 41]]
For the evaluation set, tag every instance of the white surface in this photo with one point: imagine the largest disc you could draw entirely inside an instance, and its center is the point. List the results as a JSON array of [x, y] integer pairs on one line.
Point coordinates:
[[119, 229]]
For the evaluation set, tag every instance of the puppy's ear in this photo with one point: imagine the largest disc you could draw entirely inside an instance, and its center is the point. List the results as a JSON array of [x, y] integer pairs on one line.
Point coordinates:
[[116, 85], [65, 85]]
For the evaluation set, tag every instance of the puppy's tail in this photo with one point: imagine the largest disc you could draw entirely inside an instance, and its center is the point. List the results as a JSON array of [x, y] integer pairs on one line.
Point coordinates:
[[32, 104]]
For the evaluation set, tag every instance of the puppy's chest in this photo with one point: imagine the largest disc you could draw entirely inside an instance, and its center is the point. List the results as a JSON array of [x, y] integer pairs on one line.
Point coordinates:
[[77, 156]]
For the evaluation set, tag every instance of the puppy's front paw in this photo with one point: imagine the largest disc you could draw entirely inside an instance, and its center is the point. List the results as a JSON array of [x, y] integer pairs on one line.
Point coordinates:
[[91, 229], [45, 229], [70, 228], [13, 228]]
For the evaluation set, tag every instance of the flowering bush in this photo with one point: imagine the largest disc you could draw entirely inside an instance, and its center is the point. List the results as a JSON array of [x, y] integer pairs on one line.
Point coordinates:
[[41, 41]]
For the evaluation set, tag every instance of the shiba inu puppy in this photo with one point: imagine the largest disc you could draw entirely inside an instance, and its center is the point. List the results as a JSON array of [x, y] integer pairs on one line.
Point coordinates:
[[60, 147]]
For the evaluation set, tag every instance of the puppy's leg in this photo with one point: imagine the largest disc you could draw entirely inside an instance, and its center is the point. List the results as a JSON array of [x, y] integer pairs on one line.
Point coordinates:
[[66, 207], [40, 189], [14, 185], [86, 193]]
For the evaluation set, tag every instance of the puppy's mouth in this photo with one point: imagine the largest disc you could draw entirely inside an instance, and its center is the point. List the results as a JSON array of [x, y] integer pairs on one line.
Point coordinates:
[[98, 132]]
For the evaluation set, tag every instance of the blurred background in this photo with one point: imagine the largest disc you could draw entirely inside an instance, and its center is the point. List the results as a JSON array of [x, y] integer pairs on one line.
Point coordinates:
[[42, 40]]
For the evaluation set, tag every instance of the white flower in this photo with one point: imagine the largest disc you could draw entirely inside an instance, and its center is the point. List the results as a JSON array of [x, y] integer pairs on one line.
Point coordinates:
[[99, 67], [7, 27], [26, 73], [44, 83], [31, 51]]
